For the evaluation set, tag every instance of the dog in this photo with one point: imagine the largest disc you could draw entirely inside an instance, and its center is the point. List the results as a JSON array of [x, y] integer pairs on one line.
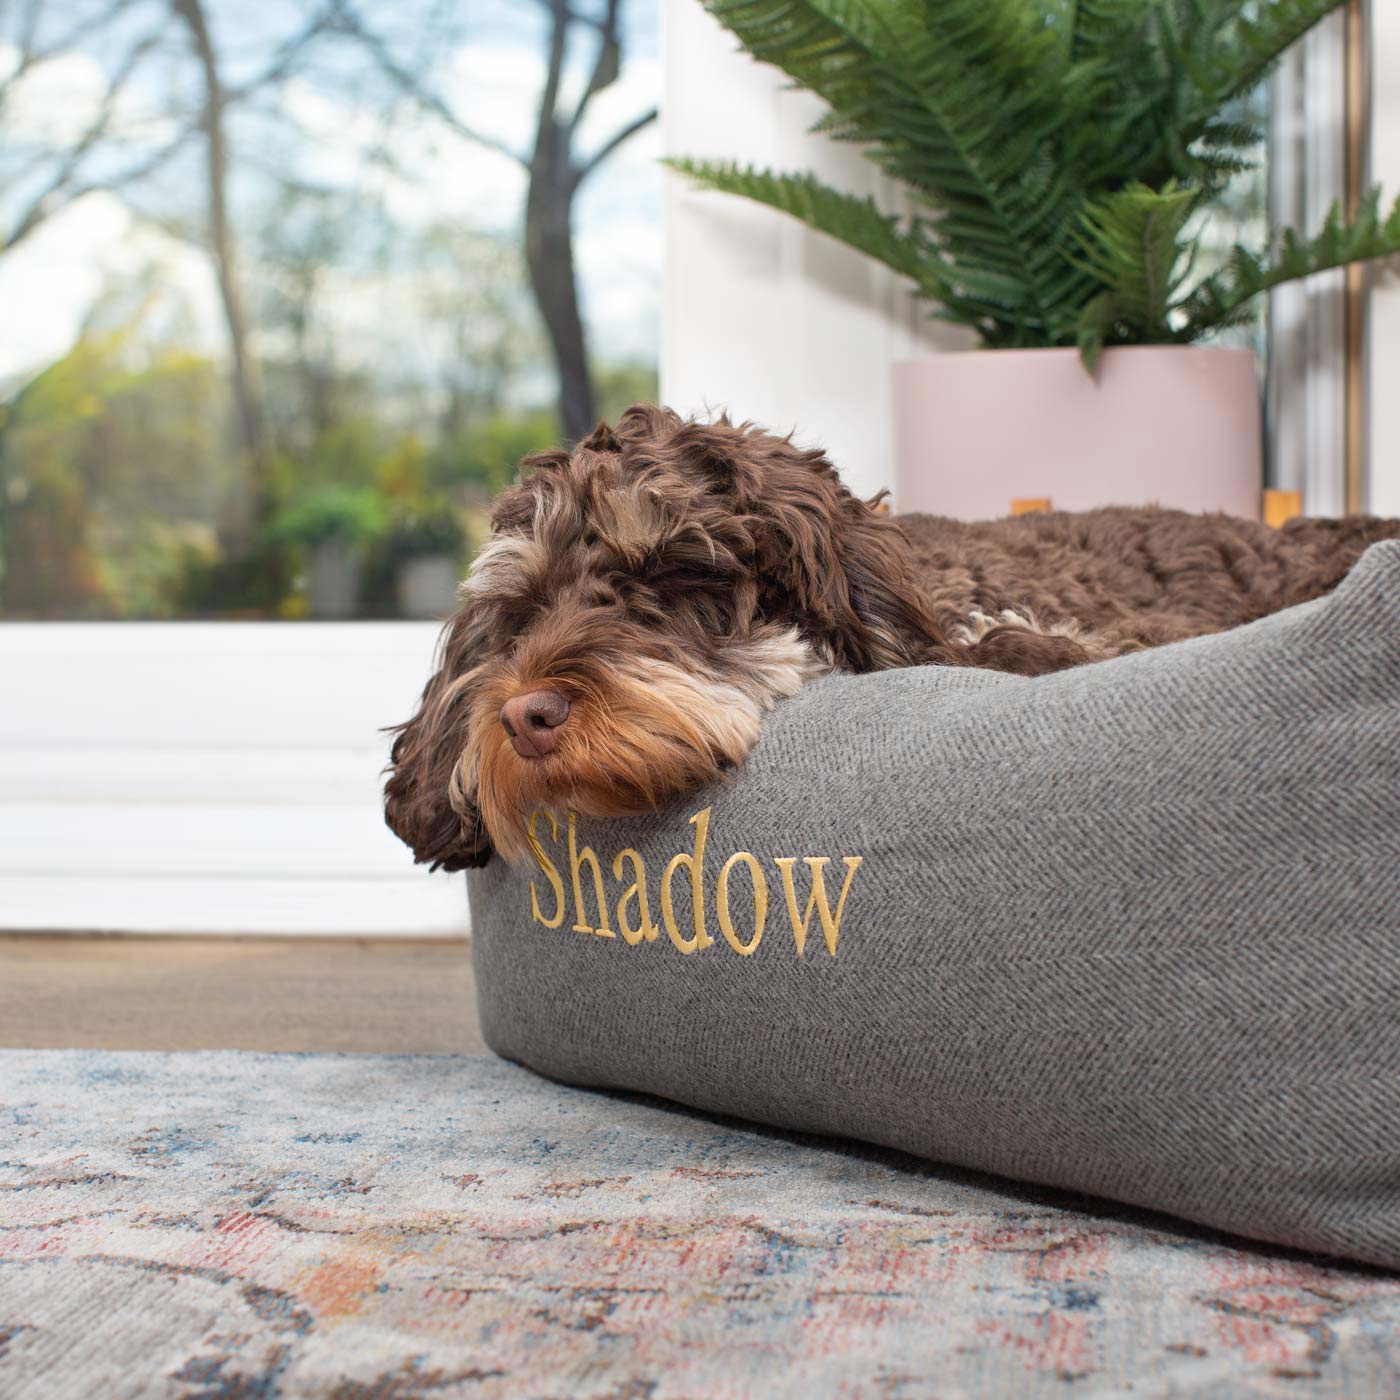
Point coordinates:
[[646, 597]]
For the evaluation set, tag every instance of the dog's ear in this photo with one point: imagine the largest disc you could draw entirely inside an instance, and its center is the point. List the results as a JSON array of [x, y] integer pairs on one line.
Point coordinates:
[[428, 801], [828, 563], [843, 568], [602, 439]]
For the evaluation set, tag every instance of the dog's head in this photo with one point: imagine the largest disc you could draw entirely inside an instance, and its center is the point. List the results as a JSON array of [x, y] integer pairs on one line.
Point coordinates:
[[642, 601]]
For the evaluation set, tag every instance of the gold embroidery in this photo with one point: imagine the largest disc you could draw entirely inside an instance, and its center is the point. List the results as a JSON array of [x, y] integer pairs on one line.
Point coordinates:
[[638, 891], [831, 923], [760, 903], [578, 858], [550, 874], [645, 929], [701, 822]]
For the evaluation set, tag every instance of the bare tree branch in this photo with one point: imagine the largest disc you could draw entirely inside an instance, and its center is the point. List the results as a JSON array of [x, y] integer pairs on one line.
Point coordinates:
[[554, 176], [558, 50], [41, 205], [284, 59], [64, 188], [129, 175], [224, 254], [611, 144], [85, 30], [350, 23], [29, 30], [575, 16], [31, 55], [606, 67]]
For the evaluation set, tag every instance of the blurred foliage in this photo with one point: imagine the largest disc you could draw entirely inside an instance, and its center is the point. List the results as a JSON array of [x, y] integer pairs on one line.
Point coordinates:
[[123, 494], [620, 386], [426, 528], [297, 321], [339, 513], [112, 467], [482, 460]]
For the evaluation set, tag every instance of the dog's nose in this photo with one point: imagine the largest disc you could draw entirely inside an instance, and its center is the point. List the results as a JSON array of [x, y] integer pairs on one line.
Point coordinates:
[[533, 721]]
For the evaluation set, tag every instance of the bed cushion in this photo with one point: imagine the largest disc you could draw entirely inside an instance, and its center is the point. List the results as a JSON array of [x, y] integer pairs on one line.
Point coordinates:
[[1133, 929]]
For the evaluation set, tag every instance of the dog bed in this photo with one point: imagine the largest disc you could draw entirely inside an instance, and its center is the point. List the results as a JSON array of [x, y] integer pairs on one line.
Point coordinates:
[[1132, 929]]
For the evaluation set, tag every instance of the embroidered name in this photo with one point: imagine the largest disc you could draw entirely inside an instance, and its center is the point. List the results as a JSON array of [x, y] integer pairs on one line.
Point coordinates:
[[739, 899]]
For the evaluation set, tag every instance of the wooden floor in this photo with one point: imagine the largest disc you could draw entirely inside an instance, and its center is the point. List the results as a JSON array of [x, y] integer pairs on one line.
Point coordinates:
[[371, 995]]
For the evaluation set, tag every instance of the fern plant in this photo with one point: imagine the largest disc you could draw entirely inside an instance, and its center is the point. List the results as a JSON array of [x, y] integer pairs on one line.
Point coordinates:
[[1055, 153]]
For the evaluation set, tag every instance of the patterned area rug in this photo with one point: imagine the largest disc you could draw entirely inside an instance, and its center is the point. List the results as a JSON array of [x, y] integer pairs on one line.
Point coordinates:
[[235, 1225]]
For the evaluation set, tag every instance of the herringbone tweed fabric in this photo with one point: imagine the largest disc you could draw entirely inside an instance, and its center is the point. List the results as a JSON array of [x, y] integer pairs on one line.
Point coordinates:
[[248, 1227], [1133, 929]]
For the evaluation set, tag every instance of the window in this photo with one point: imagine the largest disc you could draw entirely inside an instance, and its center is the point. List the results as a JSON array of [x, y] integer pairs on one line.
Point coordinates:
[[287, 289], [1242, 216]]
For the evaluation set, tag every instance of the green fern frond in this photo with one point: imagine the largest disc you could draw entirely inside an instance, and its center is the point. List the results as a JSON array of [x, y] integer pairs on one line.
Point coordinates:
[[959, 101], [1130, 242], [1096, 328], [1054, 153], [971, 295], [1232, 135], [1001, 92], [1237, 50], [1103, 29], [1221, 296], [857, 222]]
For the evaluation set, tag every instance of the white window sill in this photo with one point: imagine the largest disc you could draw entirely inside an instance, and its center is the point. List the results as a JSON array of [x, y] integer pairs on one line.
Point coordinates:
[[209, 777]]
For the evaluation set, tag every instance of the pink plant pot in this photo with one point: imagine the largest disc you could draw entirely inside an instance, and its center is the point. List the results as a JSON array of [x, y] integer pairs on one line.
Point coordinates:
[[1170, 425]]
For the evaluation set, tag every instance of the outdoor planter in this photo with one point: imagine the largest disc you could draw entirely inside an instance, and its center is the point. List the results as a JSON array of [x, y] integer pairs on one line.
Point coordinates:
[[333, 579], [426, 585], [989, 432]]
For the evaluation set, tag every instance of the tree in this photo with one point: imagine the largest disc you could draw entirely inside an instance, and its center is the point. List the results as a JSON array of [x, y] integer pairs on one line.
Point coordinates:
[[472, 290], [41, 176], [223, 252], [555, 171], [217, 100], [87, 443], [115, 151], [302, 239]]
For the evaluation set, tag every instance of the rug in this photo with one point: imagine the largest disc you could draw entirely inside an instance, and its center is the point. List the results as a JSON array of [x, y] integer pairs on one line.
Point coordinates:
[[242, 1227]]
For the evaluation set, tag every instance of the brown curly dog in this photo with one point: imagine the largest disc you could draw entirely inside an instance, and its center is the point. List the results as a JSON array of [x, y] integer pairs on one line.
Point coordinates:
[[647, 596]]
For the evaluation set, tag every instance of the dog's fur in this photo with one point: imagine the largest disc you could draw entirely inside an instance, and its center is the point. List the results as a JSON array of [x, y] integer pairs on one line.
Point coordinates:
[[676, 579]]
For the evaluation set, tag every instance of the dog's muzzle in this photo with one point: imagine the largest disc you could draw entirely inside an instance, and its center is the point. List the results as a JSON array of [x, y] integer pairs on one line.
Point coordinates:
[[534, 720]]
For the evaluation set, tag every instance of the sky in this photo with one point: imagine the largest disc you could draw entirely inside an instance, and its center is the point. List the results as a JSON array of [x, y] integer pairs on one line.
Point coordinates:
[[326, 125]]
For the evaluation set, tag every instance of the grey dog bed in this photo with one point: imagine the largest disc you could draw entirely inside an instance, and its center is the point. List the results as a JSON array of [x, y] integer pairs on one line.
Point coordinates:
[[1132, 929]]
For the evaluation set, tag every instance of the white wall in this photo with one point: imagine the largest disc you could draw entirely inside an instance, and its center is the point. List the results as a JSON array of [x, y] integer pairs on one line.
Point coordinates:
[[761, 316], [1384, 320], [222, 777]]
